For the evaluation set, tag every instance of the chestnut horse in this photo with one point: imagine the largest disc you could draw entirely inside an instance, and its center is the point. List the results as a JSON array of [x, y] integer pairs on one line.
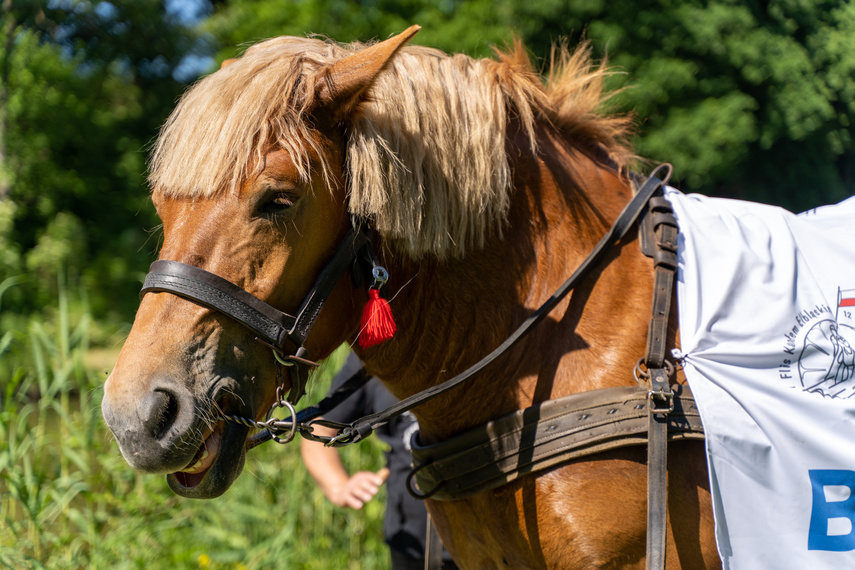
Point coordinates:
[[486, 188]]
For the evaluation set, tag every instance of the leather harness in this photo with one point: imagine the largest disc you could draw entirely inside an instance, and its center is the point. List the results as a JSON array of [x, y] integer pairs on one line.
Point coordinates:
[[502, 450], [540, 437], [556, 431]]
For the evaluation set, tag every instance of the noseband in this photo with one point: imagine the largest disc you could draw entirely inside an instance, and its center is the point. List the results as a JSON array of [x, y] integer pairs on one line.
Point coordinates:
[[280, 331]]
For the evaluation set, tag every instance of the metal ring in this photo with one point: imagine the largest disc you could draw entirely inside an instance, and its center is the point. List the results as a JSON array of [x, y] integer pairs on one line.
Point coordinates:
[[643, 374], [293, 412], [639, 373], [380, 275]]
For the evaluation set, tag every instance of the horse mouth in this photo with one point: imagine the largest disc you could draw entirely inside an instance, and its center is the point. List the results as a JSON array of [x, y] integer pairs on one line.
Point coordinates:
[[216, 464], [205, 457]]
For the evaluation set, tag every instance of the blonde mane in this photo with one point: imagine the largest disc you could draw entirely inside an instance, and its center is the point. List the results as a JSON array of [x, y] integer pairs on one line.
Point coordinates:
[[426, 155]]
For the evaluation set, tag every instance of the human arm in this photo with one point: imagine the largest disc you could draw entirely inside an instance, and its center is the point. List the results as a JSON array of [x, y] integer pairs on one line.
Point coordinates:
[[326, 468]]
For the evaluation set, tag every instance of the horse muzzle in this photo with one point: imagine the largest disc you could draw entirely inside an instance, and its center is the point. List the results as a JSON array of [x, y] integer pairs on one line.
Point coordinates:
[[155, 430], [167, 430]]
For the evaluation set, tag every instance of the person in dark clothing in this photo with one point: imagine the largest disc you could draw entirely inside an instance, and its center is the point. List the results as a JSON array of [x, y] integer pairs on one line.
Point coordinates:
[[405, 521]]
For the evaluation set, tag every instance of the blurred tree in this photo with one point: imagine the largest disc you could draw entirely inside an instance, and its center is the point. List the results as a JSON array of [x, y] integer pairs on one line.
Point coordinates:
[[746, 99], [468, 26], [84, 86]]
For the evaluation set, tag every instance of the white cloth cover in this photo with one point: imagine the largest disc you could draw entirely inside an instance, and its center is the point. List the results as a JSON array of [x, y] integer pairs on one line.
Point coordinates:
[[767, 325]]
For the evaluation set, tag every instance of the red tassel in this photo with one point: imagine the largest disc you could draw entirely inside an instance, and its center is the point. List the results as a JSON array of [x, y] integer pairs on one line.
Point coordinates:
[[377, 323]]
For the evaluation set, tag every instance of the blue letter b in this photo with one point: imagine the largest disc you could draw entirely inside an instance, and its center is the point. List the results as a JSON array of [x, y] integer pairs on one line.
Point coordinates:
[[824, 510]]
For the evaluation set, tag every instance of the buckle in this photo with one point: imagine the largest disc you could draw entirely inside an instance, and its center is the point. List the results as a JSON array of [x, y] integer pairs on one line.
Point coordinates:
[[660, 397], [660, 401]]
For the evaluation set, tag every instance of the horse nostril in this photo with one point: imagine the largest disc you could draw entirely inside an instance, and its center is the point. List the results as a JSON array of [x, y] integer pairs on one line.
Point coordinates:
[[160, 410]]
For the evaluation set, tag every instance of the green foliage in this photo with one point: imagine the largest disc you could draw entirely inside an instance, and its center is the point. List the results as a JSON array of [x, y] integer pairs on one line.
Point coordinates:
[[749, 100], [59, 246], [472, 26], [69, 500], [10, 254], [85, 86]]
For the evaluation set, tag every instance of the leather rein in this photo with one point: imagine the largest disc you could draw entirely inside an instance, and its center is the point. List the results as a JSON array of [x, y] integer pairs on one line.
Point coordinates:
[[620, 412]]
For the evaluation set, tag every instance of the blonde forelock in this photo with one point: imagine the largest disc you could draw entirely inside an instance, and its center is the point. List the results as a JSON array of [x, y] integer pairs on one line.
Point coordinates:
[[224, 124]]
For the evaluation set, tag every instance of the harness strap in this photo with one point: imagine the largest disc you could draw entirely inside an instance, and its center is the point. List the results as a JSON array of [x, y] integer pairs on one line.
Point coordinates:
[[657, 480], [433, 547], [541, 437], [661, 240], [363, 427]]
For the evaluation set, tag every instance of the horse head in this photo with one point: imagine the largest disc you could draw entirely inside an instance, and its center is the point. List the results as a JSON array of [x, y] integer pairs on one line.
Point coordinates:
[[259, 214]]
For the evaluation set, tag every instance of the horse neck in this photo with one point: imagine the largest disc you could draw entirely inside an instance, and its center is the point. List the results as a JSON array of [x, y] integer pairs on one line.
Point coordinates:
[[451, 314]]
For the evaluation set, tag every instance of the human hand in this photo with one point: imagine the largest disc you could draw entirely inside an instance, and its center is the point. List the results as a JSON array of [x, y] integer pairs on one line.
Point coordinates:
[[359, 488]]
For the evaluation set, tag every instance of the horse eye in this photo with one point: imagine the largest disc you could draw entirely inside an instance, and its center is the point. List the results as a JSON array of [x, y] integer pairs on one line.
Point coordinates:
[[277, 204]]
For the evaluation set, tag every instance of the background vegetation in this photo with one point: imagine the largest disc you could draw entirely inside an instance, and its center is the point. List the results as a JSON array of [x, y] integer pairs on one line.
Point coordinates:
[[69, 500], [751, 99]]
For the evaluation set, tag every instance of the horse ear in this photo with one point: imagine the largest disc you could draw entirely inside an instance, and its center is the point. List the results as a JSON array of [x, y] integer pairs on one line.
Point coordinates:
[[342, 85]]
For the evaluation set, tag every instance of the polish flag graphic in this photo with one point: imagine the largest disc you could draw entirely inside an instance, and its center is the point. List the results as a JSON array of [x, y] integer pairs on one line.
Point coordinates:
[[846, 307]]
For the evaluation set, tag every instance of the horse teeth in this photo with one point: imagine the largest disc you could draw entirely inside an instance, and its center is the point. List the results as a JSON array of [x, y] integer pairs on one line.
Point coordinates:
[[195, 467]]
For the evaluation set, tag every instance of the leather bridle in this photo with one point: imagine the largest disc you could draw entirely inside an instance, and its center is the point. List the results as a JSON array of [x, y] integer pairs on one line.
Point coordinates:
[[278, 330]]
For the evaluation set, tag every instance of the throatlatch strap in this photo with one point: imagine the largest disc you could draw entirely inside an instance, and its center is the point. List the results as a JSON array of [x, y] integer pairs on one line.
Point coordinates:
[[345, 256]]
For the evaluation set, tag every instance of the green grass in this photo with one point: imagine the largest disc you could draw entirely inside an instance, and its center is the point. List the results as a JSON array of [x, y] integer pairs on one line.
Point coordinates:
[[69, 500]]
